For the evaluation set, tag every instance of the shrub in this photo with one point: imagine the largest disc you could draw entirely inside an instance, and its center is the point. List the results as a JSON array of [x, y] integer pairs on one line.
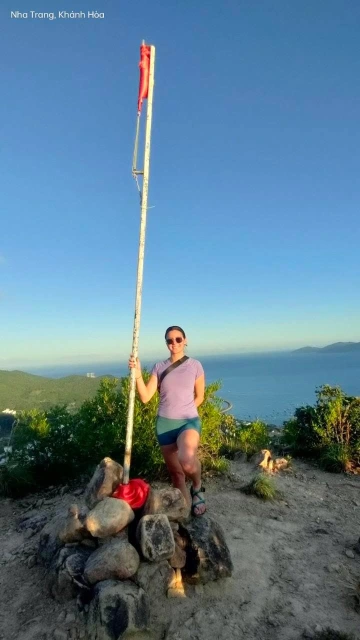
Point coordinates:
[[43, 451], [249, 438], [329, 431], [50, 447], [336, 458], [146, 459], [99, 425], [298, 432], [212, 436], [254, 437], [262, 487], [6, 422], [16, 480]]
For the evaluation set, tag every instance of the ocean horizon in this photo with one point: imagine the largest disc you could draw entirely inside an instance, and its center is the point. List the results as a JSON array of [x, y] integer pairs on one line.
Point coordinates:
[[268, 386]]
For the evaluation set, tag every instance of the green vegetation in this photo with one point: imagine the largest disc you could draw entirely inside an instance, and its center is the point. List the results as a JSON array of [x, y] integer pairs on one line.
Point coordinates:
[[262, 487], [52, 446], [21, 391], [329, 431], [248, 438], [6, 423]]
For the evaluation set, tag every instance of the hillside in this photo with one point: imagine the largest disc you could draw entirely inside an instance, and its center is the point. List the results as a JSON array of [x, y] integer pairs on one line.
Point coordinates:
[[336, 347], [294, 559], [19, 390]]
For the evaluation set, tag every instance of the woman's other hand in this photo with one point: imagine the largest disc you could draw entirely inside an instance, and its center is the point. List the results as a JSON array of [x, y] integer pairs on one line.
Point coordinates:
[[135, 365]]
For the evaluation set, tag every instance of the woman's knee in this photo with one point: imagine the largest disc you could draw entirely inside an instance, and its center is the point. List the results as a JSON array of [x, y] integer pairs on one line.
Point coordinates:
[[174, 467], [188, 460]]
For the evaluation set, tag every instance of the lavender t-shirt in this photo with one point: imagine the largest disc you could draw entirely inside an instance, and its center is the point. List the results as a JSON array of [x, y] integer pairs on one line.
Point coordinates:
[[177, 389]]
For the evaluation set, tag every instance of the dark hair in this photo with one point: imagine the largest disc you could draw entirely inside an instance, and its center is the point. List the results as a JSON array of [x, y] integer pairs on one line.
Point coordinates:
[[176, 328]]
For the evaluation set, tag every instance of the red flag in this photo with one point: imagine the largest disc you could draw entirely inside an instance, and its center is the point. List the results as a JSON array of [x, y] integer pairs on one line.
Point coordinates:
[[144, 65]]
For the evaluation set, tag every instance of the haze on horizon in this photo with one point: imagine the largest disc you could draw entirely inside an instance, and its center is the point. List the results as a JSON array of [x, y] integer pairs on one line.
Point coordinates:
[[146, 356]]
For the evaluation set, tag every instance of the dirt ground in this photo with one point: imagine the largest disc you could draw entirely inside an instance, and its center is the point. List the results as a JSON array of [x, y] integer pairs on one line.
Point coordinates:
[[294, 565]]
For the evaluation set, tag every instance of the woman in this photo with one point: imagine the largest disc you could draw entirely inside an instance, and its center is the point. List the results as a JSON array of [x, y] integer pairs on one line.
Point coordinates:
[[178, 426]]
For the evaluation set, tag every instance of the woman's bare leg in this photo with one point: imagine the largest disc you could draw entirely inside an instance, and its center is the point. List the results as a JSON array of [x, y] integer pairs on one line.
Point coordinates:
[[170, 454], [187, 443]]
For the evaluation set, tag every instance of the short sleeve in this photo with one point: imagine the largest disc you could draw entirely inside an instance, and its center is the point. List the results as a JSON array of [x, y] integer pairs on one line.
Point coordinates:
[[155, 370], [199, 371]]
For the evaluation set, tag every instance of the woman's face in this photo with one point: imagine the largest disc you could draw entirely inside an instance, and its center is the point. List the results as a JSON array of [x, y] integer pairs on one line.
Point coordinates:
[[175, 341]]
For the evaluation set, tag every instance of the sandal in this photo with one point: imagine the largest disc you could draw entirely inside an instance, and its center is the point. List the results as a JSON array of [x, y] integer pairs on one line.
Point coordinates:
[[198, 502]]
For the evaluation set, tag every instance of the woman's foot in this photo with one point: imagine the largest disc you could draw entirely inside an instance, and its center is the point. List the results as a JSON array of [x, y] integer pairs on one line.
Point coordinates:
[[198, 506]]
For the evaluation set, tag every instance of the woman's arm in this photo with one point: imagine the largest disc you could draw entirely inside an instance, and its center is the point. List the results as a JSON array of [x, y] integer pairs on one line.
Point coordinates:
[[199, 391], [145, 391]]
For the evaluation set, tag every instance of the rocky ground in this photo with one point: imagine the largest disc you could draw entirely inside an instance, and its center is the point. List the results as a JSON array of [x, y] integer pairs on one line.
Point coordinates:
[[294, 565]]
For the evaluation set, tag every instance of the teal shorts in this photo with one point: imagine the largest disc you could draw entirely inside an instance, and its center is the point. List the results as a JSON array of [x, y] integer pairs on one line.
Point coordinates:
[[168, 430]]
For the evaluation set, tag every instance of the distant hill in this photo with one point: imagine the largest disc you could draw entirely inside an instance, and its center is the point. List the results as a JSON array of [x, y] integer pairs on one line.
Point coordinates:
[[19, 390], [336, 347]]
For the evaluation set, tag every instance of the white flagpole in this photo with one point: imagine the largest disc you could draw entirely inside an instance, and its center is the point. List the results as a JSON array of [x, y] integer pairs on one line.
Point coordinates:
[[140, 269]]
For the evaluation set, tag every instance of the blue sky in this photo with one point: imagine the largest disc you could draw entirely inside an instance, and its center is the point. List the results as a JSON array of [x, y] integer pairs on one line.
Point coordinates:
[[253, 239]]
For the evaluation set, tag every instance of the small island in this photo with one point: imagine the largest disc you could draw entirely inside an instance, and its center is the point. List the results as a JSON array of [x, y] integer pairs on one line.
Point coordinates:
[[336, 347]]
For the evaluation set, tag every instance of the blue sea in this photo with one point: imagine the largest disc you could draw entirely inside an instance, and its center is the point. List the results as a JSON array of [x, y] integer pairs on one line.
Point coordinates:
[[266, 386]]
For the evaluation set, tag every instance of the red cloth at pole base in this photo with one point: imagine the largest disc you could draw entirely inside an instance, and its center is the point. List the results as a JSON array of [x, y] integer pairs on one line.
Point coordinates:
[[135, 493], [144, 65]]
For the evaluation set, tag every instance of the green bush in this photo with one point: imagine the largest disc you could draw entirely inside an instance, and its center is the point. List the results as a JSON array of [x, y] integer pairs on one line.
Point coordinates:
[[262, 487], [99, 425], [249, 438], [336, 458], [329, 431], [50, 447], [146, 460], [254, 437], [212, 436], [43, 450], [6, 422]]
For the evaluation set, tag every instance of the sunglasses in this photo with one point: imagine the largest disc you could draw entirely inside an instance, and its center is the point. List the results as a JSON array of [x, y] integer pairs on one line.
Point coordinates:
[[174, 341]]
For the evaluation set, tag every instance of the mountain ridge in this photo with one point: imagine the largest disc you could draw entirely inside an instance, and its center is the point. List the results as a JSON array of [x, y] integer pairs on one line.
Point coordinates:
[[20, 390], [335, 347]]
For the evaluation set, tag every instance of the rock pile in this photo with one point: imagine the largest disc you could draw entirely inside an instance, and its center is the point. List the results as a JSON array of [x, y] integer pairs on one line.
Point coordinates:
[[115, 561]]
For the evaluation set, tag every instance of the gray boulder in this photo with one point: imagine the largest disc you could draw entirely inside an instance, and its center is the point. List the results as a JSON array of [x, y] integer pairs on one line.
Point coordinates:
[[120, 535], [74, 529], [116, 560], [207, 554], [169, 501], [154, 578], [65, 576], [32, 522], [155, 537], [178, 559], [117, 608], [107, 475], [109, 517], [50, 542]]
